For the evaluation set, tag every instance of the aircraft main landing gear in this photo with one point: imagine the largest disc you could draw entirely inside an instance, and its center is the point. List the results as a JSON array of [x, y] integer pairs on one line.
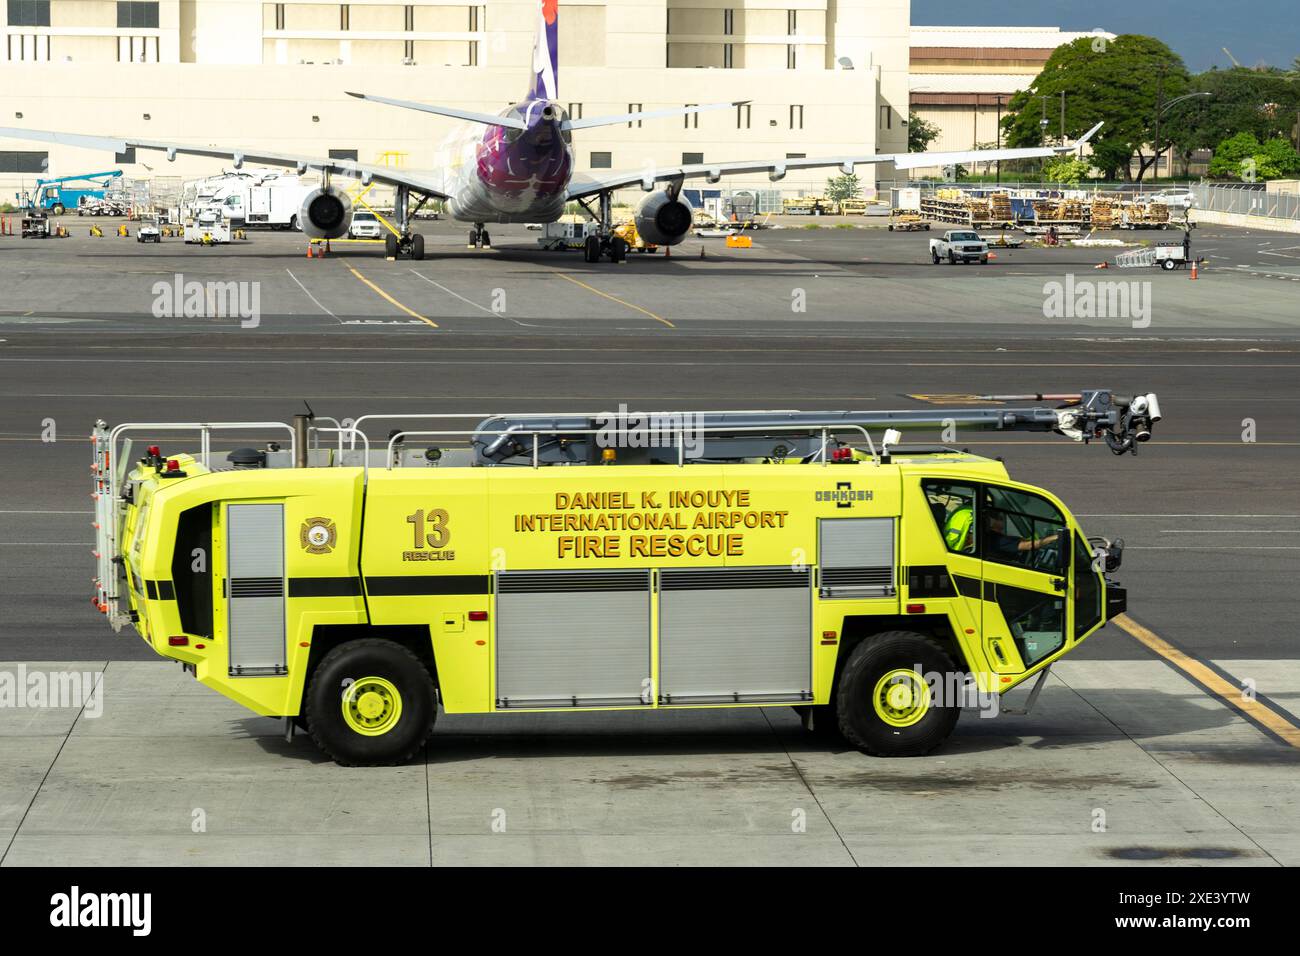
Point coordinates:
[[603, 243], [409, 246]]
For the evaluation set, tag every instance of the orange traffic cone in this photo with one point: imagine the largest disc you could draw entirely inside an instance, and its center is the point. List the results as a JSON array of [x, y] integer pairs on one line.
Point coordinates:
[[1195, 274], [1102, 265]]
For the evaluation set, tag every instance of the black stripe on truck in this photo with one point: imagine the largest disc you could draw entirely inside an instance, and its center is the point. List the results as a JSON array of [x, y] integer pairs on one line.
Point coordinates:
[[324, 587], [160, 590], [399, 585]]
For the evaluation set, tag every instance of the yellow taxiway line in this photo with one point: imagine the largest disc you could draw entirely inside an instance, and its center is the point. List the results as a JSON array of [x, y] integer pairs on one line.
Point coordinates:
[[388, 298], [614, 298], [1212, 682]]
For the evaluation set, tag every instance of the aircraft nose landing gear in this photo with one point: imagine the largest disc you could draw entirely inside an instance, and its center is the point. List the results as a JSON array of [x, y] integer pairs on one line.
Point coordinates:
[[479, 238]]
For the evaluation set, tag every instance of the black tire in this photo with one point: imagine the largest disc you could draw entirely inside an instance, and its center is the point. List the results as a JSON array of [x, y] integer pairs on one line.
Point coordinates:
[[473, 239], [934, 256], [357, 660], [390, 246], [952, 259], [867, 665], [1169, 265], [591, 249], [984, 260], [417, 246], [486, 239], [617, 249]]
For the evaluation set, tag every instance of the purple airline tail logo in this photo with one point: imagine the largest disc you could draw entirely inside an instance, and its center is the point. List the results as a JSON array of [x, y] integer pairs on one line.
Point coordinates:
[[546, 49]]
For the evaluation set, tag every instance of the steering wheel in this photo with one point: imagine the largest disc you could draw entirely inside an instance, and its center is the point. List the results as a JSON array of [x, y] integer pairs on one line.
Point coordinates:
[[1047, 558]]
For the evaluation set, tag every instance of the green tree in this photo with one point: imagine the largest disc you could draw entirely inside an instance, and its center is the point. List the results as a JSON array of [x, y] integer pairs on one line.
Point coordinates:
[[840, 188], [1244, 157], [920, 134], [1067, 170], [1260, 102], [1115, 82]]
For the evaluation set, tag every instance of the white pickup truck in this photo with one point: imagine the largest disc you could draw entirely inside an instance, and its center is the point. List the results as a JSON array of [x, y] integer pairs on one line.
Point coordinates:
[[959, 245]]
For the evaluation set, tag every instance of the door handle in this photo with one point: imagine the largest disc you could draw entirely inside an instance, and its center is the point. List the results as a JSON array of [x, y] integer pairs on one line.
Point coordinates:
[[1059, 584]]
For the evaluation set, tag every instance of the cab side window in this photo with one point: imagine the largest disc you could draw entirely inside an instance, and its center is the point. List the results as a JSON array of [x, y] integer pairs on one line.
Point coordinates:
[[953, 507], [1023, 530]]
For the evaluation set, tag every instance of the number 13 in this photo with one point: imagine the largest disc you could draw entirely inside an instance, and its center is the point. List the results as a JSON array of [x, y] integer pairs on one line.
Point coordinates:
[[438, 536]]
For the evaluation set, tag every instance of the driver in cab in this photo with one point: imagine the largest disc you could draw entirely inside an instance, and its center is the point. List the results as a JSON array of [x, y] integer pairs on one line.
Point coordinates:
[[1010, 547]]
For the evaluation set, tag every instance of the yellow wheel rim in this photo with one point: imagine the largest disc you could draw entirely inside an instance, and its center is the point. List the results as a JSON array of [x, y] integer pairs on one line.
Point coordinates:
[[372, 706], [901, 697]]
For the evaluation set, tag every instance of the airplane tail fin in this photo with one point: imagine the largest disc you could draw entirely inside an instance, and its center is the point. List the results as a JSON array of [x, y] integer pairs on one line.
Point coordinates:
[[546, 51]]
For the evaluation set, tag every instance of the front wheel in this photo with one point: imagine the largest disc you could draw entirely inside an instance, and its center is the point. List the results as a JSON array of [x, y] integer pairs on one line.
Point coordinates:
[[417, 246], [390, 246], [884, 701], [370, 703]]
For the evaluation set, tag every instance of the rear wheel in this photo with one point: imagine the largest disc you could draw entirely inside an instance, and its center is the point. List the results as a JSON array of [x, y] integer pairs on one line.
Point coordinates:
[[591, 249], [390, 246], [370, 703], [934, 256], [885, 706], [617, 249], [417, 246]]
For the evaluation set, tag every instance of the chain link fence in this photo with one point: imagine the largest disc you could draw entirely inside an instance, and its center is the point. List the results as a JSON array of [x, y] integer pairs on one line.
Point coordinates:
[[1247, 199]]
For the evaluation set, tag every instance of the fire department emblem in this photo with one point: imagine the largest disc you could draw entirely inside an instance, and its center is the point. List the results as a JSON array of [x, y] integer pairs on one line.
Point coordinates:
[[318, 536]]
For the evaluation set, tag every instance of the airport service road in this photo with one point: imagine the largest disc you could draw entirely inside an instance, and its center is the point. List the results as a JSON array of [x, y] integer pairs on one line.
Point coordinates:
[[1145, 722], [808, 282]]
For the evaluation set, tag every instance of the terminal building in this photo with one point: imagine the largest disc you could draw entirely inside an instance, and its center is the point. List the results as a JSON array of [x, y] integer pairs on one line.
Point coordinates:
[[819, 77]]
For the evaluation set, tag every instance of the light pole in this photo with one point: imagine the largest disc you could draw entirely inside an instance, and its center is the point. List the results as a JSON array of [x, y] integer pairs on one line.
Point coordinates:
[[1161, 110]]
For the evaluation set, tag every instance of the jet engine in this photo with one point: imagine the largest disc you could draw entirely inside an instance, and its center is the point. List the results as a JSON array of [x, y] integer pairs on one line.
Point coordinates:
[[663, 219], [326, 213]]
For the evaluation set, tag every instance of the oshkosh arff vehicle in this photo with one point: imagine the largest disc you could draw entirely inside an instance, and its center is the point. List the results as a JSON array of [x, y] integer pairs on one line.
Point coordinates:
[[555, 564], [517, 166]]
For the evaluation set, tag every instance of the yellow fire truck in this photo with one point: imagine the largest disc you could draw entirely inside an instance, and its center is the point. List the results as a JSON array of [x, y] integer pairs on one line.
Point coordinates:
[[572, 563]]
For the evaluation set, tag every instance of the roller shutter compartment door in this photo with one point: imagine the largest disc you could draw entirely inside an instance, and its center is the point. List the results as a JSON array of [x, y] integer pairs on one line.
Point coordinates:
[[735, 635], [255, 589], [856, 557], [572, 638]]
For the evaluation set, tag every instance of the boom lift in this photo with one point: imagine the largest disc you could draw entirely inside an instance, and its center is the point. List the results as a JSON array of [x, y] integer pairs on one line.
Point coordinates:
[[634, 562]]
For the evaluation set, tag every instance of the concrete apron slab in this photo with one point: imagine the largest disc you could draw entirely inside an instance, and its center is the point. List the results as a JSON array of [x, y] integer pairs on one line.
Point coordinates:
[[1121, 763]]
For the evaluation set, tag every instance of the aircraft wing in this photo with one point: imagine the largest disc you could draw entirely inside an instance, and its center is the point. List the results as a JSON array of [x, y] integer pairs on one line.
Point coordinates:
[[425, 185], [588, 184]]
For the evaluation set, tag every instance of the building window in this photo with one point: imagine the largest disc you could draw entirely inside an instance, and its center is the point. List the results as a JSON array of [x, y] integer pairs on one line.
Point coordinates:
[[886, 117], [408, 52], [23, 160], [796, 155], [692, 159], [789, 57], [729, 21], [728, 55], [137, 50], [575, 111], [279, 16], [691, 120], [742, 116], [345, 154], [343, 16], [29, 13], [634, 108], [791, 22], [28, 47], [602, 160], [409, 19], [137, 16], [796, 117], [473, 52]]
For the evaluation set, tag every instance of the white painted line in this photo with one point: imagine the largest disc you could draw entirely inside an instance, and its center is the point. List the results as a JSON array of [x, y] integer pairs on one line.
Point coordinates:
[[46, 512], [455, 295], [313, 298], [1236, 531]]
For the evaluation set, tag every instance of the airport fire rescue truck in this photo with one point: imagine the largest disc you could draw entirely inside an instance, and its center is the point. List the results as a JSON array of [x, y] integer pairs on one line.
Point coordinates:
[[575, 563]]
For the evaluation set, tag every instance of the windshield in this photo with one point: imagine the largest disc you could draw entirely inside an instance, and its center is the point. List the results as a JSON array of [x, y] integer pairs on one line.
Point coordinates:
[[965, 237]]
